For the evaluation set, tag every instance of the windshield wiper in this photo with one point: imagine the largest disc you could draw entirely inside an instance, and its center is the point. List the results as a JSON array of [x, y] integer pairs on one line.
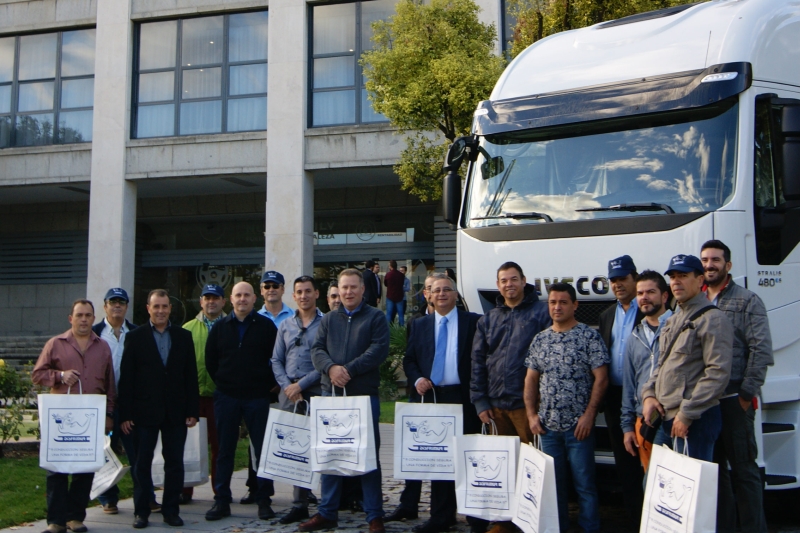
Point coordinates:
[[633, 208], [539, 216]]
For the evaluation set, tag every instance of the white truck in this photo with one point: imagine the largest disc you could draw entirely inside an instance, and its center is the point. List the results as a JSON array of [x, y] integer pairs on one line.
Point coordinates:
[[647, 136]]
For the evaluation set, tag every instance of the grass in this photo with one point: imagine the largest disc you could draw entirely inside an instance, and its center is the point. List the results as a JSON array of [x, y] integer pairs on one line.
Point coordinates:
[[22, 487], [387, 411]]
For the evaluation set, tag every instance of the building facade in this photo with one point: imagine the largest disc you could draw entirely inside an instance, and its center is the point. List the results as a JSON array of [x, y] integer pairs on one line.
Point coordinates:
[[171, 143]]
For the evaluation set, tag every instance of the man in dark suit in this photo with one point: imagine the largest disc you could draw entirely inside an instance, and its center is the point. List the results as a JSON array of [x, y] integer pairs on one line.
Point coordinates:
[[158, 393], [616, 324], [438, 360], [372, 283]]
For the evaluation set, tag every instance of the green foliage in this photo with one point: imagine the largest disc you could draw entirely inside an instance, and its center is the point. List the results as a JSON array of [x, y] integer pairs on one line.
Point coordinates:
[[16, 389], [388, 369], [431, 64], [536, 19]]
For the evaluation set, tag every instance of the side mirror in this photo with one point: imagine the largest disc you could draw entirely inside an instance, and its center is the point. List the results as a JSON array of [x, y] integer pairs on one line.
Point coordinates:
[[451, 197], [461, 149], [789, 151], [492, 167]]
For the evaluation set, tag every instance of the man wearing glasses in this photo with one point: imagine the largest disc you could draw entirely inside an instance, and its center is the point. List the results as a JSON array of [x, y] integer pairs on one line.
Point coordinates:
[[272, 289], [294, 371], [113, 329]]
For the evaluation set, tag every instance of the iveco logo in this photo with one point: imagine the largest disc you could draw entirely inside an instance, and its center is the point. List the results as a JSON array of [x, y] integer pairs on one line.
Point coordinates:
[[585, 285]]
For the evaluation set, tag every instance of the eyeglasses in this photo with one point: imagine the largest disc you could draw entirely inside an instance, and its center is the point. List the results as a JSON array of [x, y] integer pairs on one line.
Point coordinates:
[[117, 301], [441, 290], [272, 285], [334, 296]]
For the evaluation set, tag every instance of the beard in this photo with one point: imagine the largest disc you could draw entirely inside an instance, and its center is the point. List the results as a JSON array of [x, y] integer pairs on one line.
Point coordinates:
[[654, 309]]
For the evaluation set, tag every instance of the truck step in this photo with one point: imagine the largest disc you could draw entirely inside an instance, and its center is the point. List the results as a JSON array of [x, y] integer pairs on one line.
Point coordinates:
[[775, 479], [772, 427]]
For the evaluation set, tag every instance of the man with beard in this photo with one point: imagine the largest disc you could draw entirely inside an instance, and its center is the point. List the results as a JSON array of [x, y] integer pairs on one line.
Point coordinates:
[[641, 354], [752, 354], [616, 324]]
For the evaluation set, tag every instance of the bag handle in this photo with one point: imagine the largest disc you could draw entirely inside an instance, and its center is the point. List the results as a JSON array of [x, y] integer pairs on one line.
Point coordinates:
[[80, 387], [434, 396], [685, 445], [308, 407], [333, 391], [537, 443], [492, 430]]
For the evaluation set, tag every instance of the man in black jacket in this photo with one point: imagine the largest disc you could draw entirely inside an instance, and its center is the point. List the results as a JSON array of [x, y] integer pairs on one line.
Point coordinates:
[[158, 393], [616, 324], [351, 344], [238, 353], [438, 365], [372, 283]]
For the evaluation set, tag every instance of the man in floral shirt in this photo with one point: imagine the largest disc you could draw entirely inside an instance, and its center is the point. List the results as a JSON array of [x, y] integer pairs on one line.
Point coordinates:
[[566, 380]]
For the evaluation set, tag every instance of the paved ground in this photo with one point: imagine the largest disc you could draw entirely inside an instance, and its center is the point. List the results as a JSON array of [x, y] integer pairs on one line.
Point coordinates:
[[783, 511]]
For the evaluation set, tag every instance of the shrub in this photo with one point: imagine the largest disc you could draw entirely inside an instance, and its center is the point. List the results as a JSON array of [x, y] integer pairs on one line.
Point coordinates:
[[393, 363]]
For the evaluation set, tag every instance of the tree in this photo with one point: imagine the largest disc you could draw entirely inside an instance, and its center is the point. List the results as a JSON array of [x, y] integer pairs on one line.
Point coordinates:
[[536, 19], [430, 66]]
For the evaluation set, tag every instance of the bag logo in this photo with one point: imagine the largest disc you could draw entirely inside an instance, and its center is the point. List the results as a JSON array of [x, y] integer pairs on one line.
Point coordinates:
[[533, 480], [337, 430], [72, 430], [483, 471], [673, 494], [427, 438], [287, 441]]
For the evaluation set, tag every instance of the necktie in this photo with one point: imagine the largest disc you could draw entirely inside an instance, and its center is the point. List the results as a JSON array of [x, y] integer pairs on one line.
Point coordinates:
[[437, 372]]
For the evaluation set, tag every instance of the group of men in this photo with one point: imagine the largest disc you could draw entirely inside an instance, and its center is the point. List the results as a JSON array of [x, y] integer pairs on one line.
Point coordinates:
[[690, 373]]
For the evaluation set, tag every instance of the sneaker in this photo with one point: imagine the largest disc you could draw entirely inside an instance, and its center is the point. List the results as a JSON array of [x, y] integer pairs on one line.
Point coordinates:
[[76, 526], [265, 511], [295, 515], [155, 507], [110, 508], [218, 511]]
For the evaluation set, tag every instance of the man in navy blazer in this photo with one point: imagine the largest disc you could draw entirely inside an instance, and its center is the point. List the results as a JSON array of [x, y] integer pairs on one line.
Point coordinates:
[[438, 360], [372, 283], [158, 393]]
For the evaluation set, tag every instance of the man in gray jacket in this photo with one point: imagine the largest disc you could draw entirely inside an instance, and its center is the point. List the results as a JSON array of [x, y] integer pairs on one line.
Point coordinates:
[[752, 354], [694, 364], [641, 353], [350, 346]]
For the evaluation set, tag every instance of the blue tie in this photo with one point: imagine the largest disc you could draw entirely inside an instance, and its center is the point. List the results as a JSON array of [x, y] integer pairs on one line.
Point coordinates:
[[439, 359]]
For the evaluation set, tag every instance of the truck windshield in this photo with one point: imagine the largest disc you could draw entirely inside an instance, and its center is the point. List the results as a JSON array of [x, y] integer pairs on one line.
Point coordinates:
[[679, 161]]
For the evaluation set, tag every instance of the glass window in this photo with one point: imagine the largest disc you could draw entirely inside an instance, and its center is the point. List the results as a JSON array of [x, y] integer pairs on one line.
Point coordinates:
[[41, 77], [340, 33], [223, 59]]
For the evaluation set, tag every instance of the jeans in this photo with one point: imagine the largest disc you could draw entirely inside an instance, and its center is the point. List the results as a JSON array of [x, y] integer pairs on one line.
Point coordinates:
[[577, 456], [173, 441], [228, 411], [395, 308], [737, 447], [370, 482], [111, 496], [703, 433], [67, 501]]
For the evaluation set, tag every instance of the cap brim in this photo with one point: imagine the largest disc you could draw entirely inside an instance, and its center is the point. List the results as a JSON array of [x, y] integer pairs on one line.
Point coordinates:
[[619, 273], [683, 269]]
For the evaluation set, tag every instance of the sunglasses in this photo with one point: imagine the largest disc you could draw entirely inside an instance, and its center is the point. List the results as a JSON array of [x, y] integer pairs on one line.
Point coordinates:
[[299, 340], [117, 301], [272, 285]]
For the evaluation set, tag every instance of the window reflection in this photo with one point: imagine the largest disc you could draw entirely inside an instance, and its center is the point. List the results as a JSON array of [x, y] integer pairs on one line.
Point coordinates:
[[158, 44], [6, 59], [248, 37], [202, 41], [35, 96], [37, 56], [77, 53]]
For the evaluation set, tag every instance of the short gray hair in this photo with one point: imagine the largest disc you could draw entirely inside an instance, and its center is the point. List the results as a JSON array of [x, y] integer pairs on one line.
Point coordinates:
[[439, 276]]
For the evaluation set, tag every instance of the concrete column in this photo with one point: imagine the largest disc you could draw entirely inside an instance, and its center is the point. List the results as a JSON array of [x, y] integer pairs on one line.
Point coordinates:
[[112, 205], [490, 13], [289, 234]]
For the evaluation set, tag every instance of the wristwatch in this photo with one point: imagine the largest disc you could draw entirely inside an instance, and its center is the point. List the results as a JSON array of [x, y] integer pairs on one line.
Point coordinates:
[[62, 377]]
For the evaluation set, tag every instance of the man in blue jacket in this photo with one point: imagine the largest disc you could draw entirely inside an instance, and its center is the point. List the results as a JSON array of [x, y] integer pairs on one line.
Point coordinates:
[[351, 345]]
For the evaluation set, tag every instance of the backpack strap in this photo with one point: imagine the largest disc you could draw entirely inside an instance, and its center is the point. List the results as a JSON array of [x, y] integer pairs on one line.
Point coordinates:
[[686, 325]]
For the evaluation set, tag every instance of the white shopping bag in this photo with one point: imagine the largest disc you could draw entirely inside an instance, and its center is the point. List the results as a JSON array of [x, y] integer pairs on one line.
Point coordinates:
[[195, 457], [73, 432], [342, 435], [535, 502], [681, 493], [486, 467], [423, 440], [286, 451], [110, 474]]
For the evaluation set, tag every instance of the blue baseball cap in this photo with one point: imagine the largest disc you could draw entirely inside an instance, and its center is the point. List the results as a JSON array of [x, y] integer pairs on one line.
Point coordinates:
[[216, 290], [621, 267], [273, 276], [685, 263], [116, 293]]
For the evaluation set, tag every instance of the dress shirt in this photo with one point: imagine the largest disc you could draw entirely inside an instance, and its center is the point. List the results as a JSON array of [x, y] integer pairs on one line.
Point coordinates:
[[282, 315], [163, 341], [116, 345], [623, 326], [292, 363], [354, 311], [451, 362]]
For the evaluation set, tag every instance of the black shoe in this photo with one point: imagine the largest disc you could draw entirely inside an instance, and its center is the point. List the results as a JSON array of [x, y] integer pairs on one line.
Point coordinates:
[[265, 511], [174, 520], [400, 514], [139, 522], [312, 500], [430, 527], [218, 512], [295, 515], [184, 499], [248, 498]]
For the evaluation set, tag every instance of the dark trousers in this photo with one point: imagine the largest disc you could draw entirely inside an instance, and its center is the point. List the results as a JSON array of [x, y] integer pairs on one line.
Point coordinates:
[[737, 447], [173, 440], [229, 411], [111, 496], [629, 468], [67, 501]]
